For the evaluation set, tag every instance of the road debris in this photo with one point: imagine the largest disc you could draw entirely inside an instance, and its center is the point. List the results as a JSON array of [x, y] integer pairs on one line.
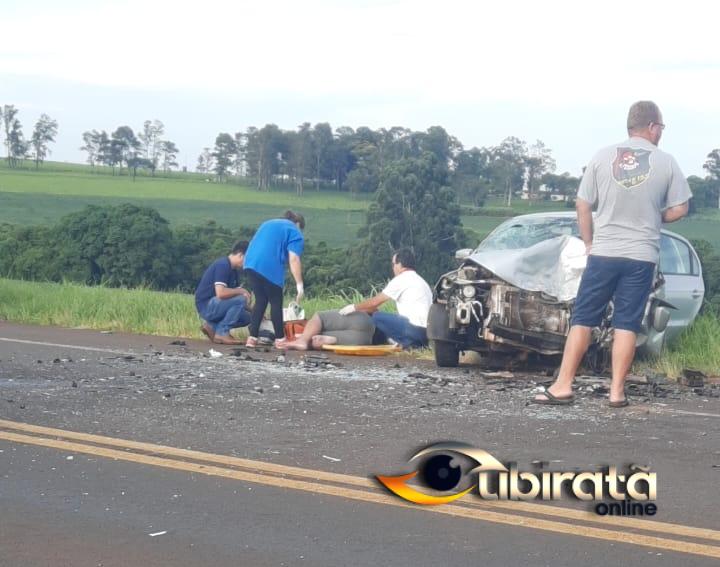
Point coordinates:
[[333, 459], [158, 534], [692, 378], [214, 354]]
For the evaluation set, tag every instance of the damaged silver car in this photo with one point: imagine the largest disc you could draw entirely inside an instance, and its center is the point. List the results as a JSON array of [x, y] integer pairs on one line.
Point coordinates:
[[515, 293]]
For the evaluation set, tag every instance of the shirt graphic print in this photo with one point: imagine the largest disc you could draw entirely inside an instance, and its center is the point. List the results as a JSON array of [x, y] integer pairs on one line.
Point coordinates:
[[631, 167]]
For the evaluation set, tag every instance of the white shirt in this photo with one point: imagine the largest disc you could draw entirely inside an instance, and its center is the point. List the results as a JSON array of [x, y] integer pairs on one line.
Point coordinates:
[[412, 295]]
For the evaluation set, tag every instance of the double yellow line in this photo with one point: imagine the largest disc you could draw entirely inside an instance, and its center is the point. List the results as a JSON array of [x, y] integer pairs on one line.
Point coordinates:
[[560, 520]]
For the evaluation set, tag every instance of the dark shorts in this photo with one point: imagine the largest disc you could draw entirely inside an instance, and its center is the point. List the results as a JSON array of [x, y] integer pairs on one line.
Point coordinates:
[[627, 282]]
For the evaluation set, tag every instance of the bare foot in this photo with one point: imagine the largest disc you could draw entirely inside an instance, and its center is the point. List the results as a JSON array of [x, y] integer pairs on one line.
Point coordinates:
[[319, 340], [297, 344]]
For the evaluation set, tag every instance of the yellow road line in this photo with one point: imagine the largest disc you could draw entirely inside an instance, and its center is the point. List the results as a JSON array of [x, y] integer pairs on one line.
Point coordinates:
[[316, 475], [373, 497]]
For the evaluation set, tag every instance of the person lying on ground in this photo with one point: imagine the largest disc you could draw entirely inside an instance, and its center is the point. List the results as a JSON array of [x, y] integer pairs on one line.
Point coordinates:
[[331, 328], [221, 303], [413, 298]]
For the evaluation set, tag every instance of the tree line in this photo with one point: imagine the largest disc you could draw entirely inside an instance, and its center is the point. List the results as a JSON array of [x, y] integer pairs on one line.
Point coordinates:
[[355, 160], [146, 150], [17, 147], [344, 159]]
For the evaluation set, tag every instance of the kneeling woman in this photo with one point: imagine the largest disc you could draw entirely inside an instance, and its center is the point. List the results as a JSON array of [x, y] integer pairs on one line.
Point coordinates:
[[277, 243], [331, 328]]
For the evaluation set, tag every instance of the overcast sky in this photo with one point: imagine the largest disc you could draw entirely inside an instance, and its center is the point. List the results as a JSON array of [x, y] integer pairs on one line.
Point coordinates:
[[559, 71]]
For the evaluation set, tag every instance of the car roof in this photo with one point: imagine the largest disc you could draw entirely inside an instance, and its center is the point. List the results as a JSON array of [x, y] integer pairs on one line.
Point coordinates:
[[569, 214]]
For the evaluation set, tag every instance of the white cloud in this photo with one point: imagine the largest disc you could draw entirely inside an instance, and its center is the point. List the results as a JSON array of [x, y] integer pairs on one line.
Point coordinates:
[[456, 51]]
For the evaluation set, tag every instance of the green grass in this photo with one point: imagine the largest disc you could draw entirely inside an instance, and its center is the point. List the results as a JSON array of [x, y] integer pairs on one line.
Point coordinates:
[[122, 310], [30, 197], [336, 227], [83, 184], [698, 348], [173, 314]]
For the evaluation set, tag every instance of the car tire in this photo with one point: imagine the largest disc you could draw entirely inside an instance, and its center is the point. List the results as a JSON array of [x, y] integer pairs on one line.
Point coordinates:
[[447, 354]]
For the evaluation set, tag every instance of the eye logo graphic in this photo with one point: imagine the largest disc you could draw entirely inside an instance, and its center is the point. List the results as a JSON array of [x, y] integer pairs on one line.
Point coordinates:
[[630, 492], [441, 472]]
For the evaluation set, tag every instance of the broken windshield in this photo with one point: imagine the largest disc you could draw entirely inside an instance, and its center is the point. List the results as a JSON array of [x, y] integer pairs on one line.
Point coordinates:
[[526, 232]]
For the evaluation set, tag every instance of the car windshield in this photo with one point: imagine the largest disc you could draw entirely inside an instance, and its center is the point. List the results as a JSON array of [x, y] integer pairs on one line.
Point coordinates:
[[525, 232]]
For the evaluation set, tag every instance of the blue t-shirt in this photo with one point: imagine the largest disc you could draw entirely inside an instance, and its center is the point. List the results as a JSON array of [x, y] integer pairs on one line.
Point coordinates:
[[268, 251], [219, 272]]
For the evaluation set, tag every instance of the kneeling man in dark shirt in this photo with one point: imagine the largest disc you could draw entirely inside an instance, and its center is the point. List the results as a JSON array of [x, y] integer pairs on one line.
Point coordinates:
[[221, 303]]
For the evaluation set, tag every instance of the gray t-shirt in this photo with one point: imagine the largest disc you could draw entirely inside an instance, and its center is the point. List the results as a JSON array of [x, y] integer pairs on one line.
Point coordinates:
[[631, 184]]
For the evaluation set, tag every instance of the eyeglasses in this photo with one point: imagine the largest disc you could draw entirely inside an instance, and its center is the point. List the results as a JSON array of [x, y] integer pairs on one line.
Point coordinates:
[[662, 126]]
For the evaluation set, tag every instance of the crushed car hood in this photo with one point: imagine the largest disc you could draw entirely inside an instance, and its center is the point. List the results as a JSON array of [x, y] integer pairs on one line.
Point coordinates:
[[553, 267]]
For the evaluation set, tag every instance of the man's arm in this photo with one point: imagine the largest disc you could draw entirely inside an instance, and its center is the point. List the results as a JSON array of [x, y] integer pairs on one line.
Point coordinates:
[[675, 213], [225, 292], [370, 305], [584, 216]]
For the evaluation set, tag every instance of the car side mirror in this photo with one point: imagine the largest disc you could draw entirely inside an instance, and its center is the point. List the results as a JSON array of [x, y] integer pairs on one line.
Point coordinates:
[[463, 254], [660, 318]]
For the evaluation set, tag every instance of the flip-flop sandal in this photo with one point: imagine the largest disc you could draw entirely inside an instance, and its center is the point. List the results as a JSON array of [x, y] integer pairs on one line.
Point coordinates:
[[619, 404], [553, 400]]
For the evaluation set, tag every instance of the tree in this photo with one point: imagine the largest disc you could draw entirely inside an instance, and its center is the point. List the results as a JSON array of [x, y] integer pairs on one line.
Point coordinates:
[[206, 161], [712, 166], [126, 146], [18, 146], [263, 153], [150, 141], [92, 145], [224, 155], [508, 166], [168, 154], [413, 207], [122, 245], [239, 159], [43, 134], [8, 113], [341, 157], [301, 155], [322, 141], [471, 177], [15, 144], [564, 184], [538, 162], [109, 151]]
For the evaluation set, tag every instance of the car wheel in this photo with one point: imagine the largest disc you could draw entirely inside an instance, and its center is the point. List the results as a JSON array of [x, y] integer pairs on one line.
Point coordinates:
[[447, 354]]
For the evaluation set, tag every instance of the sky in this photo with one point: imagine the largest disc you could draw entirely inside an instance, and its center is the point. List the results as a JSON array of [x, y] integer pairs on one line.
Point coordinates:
[[559, 71]]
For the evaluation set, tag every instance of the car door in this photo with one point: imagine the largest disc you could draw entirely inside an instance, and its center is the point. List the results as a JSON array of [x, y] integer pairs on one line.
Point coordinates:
[[684, 287]]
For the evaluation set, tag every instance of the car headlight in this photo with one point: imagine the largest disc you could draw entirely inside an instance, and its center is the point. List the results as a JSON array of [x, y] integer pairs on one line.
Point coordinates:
[[468, 291]]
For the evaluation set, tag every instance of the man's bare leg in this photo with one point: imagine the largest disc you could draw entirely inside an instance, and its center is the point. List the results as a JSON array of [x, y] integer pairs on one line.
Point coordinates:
[[576, 346], [318, 341], [312, 327], [623, 353]]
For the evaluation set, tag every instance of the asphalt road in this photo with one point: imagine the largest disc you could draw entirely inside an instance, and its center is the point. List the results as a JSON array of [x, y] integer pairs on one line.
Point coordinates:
[[126, 450]]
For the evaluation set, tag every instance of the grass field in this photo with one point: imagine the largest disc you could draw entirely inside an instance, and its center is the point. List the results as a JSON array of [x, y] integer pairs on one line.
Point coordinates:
[[123, 310], [30, 197], [337, 227], [173, 314]]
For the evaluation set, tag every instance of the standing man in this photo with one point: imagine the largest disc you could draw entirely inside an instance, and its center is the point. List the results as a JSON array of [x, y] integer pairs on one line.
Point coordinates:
[[219, 301], [413, 298], [278, 243], [635, 187]]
